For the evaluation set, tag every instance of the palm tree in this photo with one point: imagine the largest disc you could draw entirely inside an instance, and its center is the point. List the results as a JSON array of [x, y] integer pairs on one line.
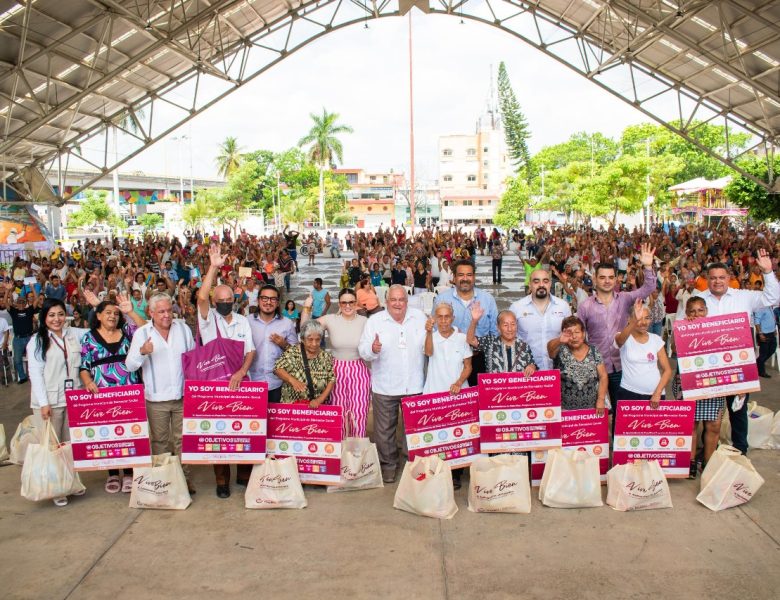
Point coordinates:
[[230, 156], [324, 147]]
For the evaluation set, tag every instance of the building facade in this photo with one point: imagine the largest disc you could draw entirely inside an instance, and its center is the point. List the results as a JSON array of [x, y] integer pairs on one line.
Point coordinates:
[[371, 197]]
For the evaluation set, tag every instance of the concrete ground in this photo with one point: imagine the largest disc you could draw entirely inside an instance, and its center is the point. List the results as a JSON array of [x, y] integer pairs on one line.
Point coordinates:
[[355, 545]]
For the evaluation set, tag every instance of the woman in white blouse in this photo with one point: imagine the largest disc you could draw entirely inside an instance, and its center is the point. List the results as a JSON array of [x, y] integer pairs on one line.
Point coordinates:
[[54, 357]]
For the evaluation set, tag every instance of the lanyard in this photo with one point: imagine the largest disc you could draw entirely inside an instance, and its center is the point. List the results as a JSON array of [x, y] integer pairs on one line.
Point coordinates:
[[64, 348]]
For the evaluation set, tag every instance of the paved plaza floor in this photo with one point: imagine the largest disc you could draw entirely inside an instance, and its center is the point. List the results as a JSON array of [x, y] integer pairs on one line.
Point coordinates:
[[355, 545]]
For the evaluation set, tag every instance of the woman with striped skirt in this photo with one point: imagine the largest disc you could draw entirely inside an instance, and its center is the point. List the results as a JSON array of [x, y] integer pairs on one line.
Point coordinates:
[[353, 379]]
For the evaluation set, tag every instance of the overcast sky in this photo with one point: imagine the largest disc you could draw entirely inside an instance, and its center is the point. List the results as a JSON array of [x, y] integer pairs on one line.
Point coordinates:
[[362, 74]]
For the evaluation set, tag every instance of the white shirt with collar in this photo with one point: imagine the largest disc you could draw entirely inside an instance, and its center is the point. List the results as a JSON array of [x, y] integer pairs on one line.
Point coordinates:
[[398, 368], [737, 301], [162, 370], [238, 329], [536, 328]]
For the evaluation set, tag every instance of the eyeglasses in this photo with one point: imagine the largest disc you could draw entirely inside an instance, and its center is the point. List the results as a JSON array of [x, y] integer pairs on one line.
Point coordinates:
[[268, 299], [347, 302]]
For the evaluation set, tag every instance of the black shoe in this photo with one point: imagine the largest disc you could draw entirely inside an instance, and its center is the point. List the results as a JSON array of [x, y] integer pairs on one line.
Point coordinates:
[[765, 375], [223, 491], [21, 381], [693, 470], [456, 484], [242, 482]]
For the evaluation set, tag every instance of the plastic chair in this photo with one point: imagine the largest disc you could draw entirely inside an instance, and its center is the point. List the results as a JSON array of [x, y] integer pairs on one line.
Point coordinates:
[[409, 290], [427, 299], [381, 294]]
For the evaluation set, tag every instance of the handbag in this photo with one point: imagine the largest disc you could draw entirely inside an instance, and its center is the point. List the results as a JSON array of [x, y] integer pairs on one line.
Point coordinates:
[[426, 489], [161, 486], [360, 469], [639, 485], [275, 484], [571, 480], [759, 426], [215, 361], [307, 372], [728, 480], [48, 469], [499, 484]]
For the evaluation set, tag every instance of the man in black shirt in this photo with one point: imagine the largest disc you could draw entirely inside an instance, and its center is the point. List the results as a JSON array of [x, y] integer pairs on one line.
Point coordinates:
[[22, 318]]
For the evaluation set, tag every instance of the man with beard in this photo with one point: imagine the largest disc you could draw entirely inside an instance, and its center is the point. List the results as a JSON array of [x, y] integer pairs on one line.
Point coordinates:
[[460, 297], [605, 313], [539, 316]]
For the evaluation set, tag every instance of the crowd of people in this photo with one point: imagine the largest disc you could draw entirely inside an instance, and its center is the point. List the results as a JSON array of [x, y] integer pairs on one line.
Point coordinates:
[[596, 305]]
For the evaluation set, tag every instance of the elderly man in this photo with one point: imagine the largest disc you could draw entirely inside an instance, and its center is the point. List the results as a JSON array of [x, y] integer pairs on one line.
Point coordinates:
[[722, 299], [156, 349], [460, 297], [394, 341], [539, 316], [232, 326], [272, 335]]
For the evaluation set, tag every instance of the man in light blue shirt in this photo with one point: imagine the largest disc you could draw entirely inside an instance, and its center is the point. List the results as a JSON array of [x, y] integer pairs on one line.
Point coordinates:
[[460, 297], [766, 333]]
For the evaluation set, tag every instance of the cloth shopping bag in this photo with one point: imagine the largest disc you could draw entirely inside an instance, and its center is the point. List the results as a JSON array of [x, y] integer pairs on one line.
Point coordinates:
[[360, 468], [3, 449], [760, 421], [275, 484], [26, 433], [426, 489], [499, 483], [215, 361], [640, 485], [48, 469], [728, 480], [161, 486], [571, 480], [774, 434]]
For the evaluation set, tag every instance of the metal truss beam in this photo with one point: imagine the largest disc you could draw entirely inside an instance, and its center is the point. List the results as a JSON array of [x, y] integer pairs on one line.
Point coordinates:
[[607, 50]]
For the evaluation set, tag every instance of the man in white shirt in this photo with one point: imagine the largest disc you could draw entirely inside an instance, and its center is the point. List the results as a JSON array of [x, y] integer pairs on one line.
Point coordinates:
[[393, 340], [156, 349], [723, 300], [539, 316], [232, 326]]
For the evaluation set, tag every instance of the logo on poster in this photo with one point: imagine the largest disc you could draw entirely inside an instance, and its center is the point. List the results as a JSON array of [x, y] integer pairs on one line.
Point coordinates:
[[532, 415]]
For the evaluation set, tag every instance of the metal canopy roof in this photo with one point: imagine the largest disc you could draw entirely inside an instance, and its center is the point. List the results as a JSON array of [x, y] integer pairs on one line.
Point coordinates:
[[77, 76]]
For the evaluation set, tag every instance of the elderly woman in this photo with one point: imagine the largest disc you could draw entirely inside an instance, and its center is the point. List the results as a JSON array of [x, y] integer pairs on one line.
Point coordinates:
[[505, 352], [583, 374], [305, 369], [449, 364], [646, 369]]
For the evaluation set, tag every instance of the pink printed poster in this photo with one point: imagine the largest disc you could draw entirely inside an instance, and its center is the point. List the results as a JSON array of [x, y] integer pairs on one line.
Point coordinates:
[[312, 436], [443, 424], [109, 429], [716, 357], [221, 426], [519, 413], [581, 430], [663, 434]]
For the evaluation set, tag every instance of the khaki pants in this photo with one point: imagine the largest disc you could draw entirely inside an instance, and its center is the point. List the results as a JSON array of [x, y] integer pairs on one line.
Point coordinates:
[[165, 428], [59, 421], [386, 412]]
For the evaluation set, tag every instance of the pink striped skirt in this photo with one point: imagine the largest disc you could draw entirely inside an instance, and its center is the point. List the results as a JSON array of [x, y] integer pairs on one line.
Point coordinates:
[[353, 393]]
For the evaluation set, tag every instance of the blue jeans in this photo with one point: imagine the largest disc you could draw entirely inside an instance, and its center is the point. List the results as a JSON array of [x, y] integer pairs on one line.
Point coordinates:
[[19, 346], [656, 328]]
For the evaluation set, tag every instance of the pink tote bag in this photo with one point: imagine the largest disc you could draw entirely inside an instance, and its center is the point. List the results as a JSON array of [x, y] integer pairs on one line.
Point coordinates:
[[215, 361]]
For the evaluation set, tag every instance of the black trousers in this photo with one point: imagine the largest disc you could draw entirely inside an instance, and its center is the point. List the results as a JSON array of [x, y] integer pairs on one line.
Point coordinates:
[[477, 367], [497, 270], [739, 424], [765, 351]]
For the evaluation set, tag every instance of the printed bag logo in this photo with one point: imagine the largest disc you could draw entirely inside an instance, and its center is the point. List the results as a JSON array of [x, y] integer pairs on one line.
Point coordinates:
[[365, 469], [212, 363], [158, 487]]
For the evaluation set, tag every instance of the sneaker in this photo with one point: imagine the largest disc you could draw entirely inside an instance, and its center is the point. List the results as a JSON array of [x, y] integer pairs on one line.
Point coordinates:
[[693, 470], [21, 381]]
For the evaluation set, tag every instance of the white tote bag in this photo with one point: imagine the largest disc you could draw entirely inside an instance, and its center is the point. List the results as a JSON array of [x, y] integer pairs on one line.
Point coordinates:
[[275, 484], [161, 486], [571, 480], [760, 426], [26, 433], [640, 485], [360, 468], [774, 435], [426, 489], [499, 483], [48, 469], [3, 448], [728, 480]]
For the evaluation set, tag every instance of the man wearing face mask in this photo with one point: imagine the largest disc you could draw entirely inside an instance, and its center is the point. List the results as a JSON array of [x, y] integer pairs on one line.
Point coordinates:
[[232, 326]]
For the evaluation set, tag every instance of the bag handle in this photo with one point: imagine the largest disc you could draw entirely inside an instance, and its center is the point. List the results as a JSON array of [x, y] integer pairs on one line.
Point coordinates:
[[350, 424], [307, 372]]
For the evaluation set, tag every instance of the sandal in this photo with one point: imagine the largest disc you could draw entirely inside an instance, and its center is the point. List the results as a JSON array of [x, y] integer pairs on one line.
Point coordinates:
[[61, 501], [127, 484], [113, 485]]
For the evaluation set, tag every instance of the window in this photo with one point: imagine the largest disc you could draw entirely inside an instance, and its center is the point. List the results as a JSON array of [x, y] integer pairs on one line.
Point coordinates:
[[471, 178], [385, 209], [370, 209], [485, 164], [471, 152], [485, 150], [484, 186], [480, 202], [467, 203], [489, 202], [446, 203], [484, 176], [372, 177], [447, 152], [447, 178], [351, 177]]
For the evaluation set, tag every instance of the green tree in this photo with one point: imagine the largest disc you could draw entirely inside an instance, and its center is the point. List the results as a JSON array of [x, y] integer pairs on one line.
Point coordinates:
[[229, 158], [240, 195], [594, 148], [618, 188], [516, 129], [197, 213], [94, 209], [151, 221], [324, 148], [745, 192], [513, 204]]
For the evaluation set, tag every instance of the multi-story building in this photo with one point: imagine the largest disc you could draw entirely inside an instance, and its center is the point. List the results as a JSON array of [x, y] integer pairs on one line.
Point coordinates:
[[473, 169], [371, 197]]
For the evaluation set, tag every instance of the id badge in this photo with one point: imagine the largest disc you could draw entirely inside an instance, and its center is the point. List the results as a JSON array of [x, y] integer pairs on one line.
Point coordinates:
[[68, 385], [402, 341]]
